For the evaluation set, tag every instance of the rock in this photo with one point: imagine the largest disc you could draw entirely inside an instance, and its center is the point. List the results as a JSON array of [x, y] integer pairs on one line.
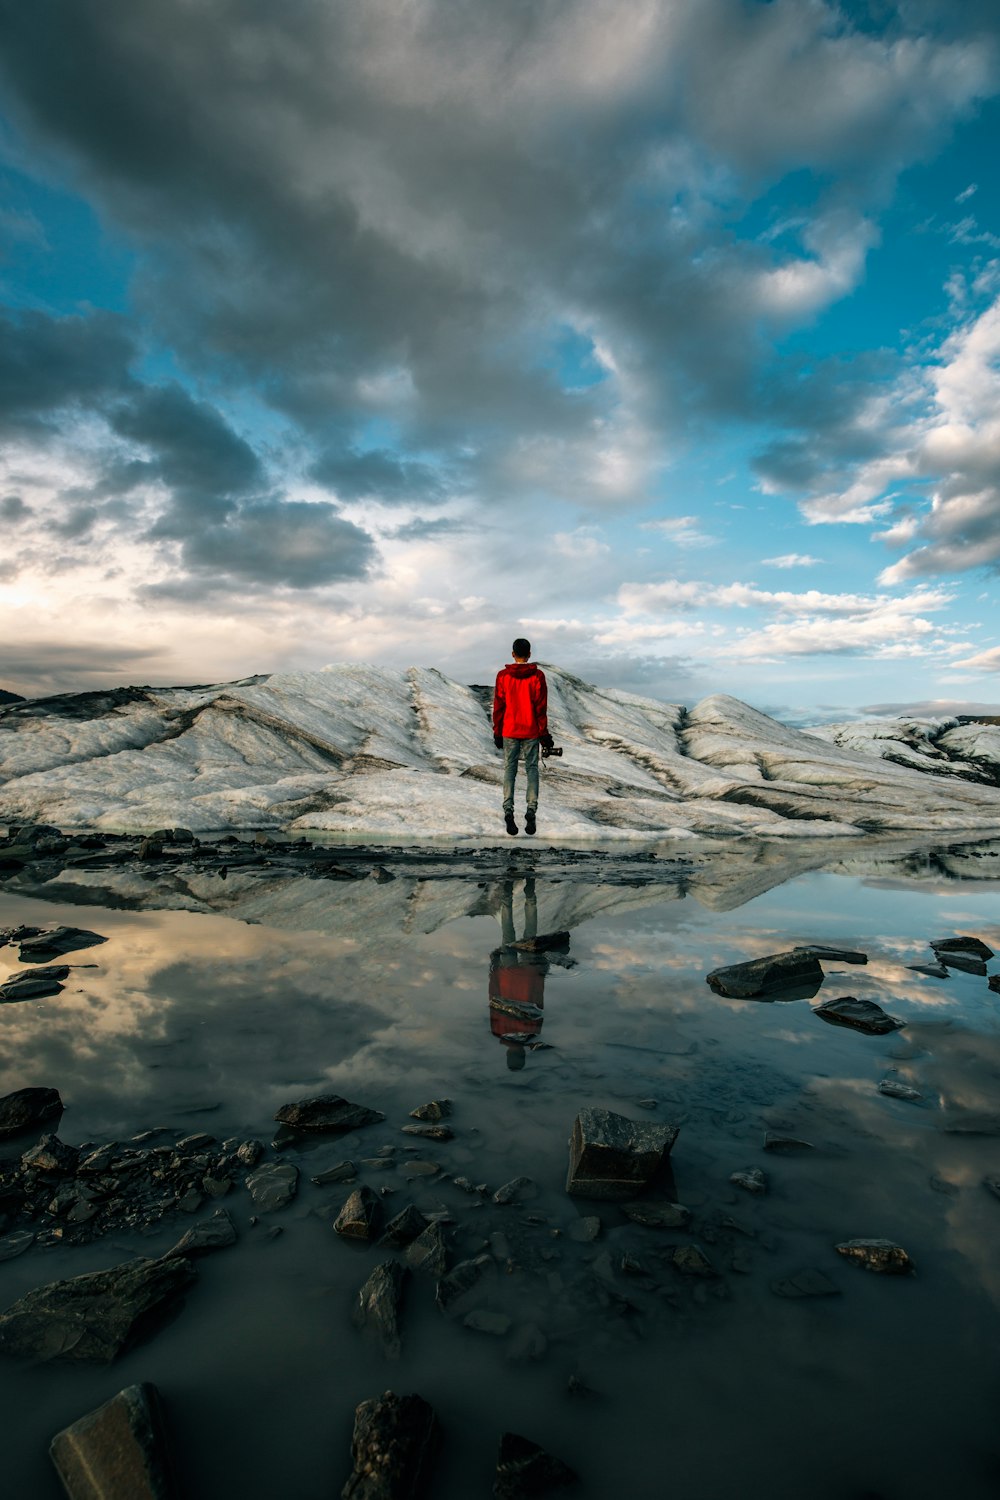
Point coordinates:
[[585, 1230], [360, 1217], [692, 1261], [437, 1109], [404, 1228], [150, 848], [381, 875], [525, 1470], [994, 983], [250, 1153], [329, 1113], [832, 955], [118, 1452], [483, 1321], [344, 1171], [798, 970], [15, 1244], [970, 945], [460, 1280], [429, 1251], [429, 1132], [877, 1255], [48, 945], [991, 1184], [613, 1157], [95, 1316], [196, 1142], [379, 1303], [34, 984], [516, 1190], [215, 1233], [273, 1185], [861, 1015], [52, 1155], [420, 1169], [393, 1447], [775, 1142], [191, 1201], [896, 1090], [545, 942], [935, 971], [657, 1215], [25, 1109], [805, 1283], [216, 1187], [752, 1180], [967, 963]]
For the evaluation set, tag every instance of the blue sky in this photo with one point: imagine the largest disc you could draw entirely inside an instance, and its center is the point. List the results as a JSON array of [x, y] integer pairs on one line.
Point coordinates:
[[668, 335]]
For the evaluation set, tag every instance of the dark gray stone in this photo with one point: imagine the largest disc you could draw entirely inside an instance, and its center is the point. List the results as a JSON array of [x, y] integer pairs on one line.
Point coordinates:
[[48, 945], [860, 1015], [832, 955], [215, 1233], [249, 1153], [994, 983], [437, 1109], [378, 1306], [773, 1141], [691, 1260], [751, 1181], [806, 1283], [967, 963], [517, 1190], [798, 970], [404, 1228], [429, 1251], [524, 1470], [613, 1157], [52, 1155], [429, 1132], [991, 1184], [344, 1171], [95, 1316], [25, 1109], [273, 1185], [882, 1256], [360, 1217], [585, 1230], [34, 984], [481, 1320], [893, 1089], [118, 1452], [393, 1447], [971, 945], [15, 1244], [327, 1113], [460, 1280], [657, 1215]]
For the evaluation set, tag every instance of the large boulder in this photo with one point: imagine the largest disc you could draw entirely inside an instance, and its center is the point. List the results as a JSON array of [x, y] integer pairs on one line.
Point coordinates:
[[118, 1452], [614, 1157], [795, 975], [393, 1446], [26, 1109], [327, 1112], [95, 1316]]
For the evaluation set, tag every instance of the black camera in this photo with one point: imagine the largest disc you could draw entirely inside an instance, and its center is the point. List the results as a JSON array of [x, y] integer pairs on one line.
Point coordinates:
[[552, 750]]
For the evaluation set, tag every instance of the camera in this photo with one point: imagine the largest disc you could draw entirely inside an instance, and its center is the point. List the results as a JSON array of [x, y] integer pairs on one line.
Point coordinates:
[[553, 750]]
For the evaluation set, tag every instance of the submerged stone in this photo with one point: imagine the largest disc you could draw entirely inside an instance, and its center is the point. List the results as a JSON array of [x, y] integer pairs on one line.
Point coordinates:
[[360, 1217], [12, 1245], [215, 1233], [514, 1191], [751, 1181], [344, 1171], [691, 1260], [768, 976], [273, 1185], [379, 1303], [393, 1447], [460, 1280], [806, 1283], [773, 1141], [95, 1316], [118, 1452], [861, 1015], [53, 944], [525, 1470], [429, 1251], [614, 1157], [327, 1112], [971, 945], [877, 1255], [585, 1230], [832, 955], [661, 1215], [436, 1109], [429, 1132], [25, 1109], [893, 1089], [404, 1228], [35, 984]]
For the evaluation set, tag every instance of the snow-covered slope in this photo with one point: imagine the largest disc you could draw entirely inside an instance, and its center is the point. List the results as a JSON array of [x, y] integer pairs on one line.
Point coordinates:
[[363, 751]]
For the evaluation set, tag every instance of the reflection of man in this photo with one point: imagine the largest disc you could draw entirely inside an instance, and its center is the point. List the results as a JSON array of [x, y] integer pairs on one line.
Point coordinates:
[[517, 979]]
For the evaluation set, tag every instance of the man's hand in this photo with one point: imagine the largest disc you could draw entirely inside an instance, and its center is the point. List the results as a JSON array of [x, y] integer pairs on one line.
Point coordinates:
[[546, 741], [498, 741]]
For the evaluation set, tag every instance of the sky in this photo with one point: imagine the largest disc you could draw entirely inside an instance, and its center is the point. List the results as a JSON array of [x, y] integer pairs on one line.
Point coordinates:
[[664, 333]]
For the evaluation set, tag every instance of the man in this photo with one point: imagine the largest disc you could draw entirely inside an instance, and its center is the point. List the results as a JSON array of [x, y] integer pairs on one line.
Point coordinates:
[[517, 979], [520, 725]]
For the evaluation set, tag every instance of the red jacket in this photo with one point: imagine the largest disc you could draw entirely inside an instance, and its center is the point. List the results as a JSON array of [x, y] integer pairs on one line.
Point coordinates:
[[520, 703]]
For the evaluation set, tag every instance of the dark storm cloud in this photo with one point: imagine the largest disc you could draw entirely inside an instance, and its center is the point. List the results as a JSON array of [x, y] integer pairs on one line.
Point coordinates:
[[289, 543], [38, 667], [48, 364], [377, 474], [13, 510]]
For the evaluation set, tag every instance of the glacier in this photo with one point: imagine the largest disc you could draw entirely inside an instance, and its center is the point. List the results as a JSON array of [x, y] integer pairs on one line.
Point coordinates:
[[357, 751]]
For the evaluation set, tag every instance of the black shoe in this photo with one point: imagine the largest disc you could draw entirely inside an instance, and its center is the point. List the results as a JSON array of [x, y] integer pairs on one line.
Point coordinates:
[[529, 820], [511, 825]]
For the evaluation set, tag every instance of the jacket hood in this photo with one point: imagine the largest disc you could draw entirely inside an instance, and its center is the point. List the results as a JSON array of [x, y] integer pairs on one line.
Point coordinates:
[[522, 669]]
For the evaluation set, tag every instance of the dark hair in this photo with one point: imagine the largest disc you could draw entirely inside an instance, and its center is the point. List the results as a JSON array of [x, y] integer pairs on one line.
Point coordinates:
[[521, 647]]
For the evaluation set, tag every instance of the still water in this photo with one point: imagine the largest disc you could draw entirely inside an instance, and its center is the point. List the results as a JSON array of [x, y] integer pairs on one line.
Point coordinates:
[[195, 1020]]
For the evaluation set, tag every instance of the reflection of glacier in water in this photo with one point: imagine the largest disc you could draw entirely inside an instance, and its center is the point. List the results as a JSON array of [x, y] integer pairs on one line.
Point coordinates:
[[382, 990]]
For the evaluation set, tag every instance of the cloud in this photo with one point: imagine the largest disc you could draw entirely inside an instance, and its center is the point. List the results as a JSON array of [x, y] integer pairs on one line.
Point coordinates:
[[930, 708], [791, 560], [983, 661], [39, 666], [13, 510], [292, 543], [683, 531]]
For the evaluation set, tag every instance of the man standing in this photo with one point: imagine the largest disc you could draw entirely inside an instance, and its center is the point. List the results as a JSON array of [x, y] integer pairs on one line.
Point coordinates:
[[520, 725]]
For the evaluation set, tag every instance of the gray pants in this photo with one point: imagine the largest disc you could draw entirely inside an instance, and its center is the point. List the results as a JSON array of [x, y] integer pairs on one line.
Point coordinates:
[[513, 751]]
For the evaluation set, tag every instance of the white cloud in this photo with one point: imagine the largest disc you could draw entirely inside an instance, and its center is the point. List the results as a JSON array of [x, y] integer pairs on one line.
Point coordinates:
[[791, 560], [683, 531], [984, 661]]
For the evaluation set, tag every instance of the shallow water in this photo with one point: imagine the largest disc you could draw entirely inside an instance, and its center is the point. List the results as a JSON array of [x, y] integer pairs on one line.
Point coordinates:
[[701, 1389]]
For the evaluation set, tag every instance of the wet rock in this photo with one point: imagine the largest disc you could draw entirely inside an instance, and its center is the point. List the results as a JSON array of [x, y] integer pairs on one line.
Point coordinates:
[[360, 1217], [151, 848], [806, 1283], [751, 1181], [994, 983], [118, 1452], [773, 1141], [832, 955], [613, 1157], [545, 942], [935, 971], [585, 1230], [12, 1245], [525, 1470], [430, 1132], [877, 1255], [657, 1215], [381, 875], [344, 1171], [273, 1185], [378, 1306], [250, 1153], [437, 1109], [95, 1316], [34, 984], [517, 1190], [404, 1228], [215, 1233], [965, 945], [893, 1089], [52, 1155], [460, 1280], [690, 1260], [429, 1251], [481, 1320], [328, 1113], [49, 945], [797, 970], [216, 1187], [527, 1343], [991, 1184], [420, 1169], [191, 1201], [967, 963], [25, 1109], [196, 1142], [393, 1447], [861, 1015]]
